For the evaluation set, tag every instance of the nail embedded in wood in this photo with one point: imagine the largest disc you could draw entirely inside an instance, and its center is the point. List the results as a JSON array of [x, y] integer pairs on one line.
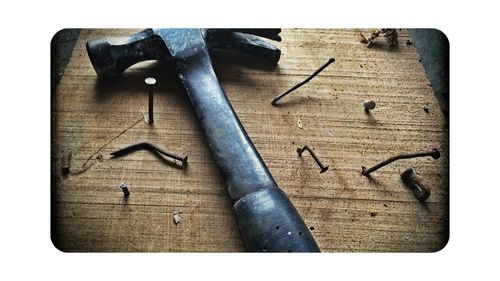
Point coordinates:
[[321, 166], [150, 81], [434, 153], [66, 161], [417, 184], [124, 188], [150, 147], [276, 99], [369, 105]]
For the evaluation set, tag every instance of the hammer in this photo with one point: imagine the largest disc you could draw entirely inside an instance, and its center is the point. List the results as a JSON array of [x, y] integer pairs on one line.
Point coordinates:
[[267, 219]]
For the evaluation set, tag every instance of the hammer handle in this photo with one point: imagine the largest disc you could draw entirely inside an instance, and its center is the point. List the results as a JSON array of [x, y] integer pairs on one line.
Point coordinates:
[[240, 164], [267, 219]]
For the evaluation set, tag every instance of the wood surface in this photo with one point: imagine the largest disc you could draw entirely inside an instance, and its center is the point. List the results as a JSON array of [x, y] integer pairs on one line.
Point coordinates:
[[347, 211]]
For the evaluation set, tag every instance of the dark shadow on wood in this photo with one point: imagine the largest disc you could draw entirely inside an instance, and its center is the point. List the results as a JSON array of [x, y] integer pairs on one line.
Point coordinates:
[[132, 81], [371, 119], [221, 58]]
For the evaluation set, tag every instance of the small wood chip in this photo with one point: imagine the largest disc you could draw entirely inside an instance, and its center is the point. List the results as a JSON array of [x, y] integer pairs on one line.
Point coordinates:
[[299, 124], [177, 216], [100, 158], [362, 38]]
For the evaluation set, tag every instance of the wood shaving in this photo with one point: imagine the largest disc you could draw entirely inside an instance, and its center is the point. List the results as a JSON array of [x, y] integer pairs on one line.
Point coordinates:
[[299, 124], [177, 216], [362, 38], [390, 34]]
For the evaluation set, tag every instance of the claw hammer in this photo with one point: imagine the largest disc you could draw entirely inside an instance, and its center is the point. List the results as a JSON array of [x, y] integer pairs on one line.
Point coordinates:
[[266, 217]]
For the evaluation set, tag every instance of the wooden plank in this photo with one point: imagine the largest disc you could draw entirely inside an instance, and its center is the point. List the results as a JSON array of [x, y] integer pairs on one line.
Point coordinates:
[[347, 211]]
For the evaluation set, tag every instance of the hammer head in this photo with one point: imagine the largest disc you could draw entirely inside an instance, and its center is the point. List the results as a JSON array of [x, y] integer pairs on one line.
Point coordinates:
[[112, 56]]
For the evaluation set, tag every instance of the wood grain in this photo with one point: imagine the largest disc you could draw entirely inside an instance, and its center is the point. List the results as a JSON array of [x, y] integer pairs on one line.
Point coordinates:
[[347, 211]]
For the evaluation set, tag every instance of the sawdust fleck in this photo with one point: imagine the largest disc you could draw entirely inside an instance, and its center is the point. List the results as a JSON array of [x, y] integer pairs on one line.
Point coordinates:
[[100, 158], [299, 124], [177, 216]]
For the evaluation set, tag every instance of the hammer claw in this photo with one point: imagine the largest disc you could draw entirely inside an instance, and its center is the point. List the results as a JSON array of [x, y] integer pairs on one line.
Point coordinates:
[[269, 33], [111, 56], [244, 43]]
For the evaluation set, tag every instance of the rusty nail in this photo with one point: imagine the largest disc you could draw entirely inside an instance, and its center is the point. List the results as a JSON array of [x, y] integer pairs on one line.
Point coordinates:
[[66, 161], [434, 153], [124, 188], [369, 105], [150, 147], [321, 166], [420, 189], [276, 99]]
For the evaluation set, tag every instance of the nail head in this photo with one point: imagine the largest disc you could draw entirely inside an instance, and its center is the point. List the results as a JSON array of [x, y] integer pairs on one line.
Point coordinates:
[[369, 104], [435, 153], [150, 81]]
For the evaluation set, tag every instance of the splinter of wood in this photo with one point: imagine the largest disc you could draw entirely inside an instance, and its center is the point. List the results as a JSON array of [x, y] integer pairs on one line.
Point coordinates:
[[276, 99], [321, 166], [434, 153], [150, 147], [420, 189]]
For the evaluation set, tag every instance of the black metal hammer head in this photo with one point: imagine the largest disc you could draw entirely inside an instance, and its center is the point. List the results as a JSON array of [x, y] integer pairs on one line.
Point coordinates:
[[112, 56]]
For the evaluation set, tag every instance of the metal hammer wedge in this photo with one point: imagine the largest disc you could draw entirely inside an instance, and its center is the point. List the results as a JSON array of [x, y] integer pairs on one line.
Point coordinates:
[[266, 218]]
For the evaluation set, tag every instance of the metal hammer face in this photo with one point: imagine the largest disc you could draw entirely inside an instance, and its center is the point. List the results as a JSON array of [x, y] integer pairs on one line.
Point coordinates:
[[267, 219]]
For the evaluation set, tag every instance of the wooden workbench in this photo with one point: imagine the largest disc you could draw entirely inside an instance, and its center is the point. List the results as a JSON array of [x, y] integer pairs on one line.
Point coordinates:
[[347, 211]]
